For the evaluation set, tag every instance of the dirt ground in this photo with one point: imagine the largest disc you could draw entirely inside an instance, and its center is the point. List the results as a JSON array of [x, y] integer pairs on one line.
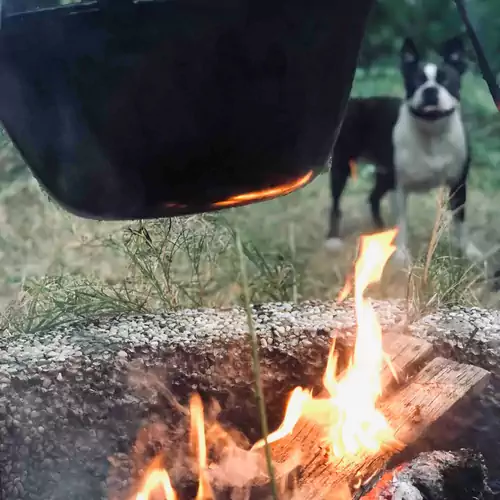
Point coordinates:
[[38, 238]]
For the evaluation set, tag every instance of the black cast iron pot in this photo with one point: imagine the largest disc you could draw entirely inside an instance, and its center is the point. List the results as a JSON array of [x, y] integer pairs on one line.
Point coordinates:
[[146, 109]]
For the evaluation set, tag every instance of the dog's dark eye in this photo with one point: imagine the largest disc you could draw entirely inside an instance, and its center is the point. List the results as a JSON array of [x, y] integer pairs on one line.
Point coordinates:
[[421, 78], [441, 77]]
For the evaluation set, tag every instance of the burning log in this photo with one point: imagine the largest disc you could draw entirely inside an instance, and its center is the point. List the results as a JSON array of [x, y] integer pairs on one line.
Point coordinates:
[[347, 435], [410, 411], [438, 475]]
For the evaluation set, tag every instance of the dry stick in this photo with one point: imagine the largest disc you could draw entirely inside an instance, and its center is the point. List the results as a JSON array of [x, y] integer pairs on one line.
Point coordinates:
[[434, 236], [293, 249], [259, 393], [430, 250]]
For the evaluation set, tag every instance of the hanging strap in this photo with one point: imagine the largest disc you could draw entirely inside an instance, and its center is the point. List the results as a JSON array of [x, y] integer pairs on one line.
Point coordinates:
[[484, 66]]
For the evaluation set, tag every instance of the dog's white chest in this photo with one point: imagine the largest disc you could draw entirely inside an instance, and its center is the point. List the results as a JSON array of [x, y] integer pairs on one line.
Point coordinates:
[[428, 158]]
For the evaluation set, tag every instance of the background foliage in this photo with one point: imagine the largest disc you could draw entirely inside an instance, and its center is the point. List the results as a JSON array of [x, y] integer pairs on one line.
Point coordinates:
[[429, 22]]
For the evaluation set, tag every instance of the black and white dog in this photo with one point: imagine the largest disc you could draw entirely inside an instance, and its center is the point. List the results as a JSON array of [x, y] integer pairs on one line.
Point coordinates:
[[416, 144]]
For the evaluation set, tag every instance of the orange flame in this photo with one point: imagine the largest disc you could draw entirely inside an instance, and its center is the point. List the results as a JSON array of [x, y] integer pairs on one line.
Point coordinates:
[[199, 446], [348, 415], [157, 479], [346, 290], [353, 167], [294, 410], [265, 194], [360, 425]]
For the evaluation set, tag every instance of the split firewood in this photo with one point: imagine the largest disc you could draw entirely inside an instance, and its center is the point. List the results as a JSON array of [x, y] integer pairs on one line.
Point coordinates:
[[410, 411]]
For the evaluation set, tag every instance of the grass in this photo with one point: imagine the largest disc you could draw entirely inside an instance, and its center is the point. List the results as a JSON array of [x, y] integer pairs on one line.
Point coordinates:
[[58, 268]]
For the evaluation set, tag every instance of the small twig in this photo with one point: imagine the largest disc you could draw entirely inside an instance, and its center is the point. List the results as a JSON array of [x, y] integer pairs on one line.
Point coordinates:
[[434, 236], [472, 337], [259, 393], [293, 250]]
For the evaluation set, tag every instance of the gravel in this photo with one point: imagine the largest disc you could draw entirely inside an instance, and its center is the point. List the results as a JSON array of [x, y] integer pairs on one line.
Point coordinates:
[[73, 397]]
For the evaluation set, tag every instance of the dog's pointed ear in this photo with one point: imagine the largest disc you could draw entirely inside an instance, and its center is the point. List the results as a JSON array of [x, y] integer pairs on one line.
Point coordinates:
[[453, 53], [409, 53]]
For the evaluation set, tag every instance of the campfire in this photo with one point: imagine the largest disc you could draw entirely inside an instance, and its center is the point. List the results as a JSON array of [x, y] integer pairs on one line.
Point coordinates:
[[333, 444]]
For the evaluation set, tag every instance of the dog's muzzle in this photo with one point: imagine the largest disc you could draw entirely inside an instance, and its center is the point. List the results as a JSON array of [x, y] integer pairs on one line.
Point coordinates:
[[431, 114]]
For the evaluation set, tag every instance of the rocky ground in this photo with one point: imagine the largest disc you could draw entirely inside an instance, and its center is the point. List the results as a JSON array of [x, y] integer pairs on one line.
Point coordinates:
[[71, 398]]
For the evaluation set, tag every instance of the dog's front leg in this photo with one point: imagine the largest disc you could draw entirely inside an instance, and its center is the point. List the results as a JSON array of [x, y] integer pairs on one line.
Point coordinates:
[[399, 208], [460, 237], [395, 204]]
